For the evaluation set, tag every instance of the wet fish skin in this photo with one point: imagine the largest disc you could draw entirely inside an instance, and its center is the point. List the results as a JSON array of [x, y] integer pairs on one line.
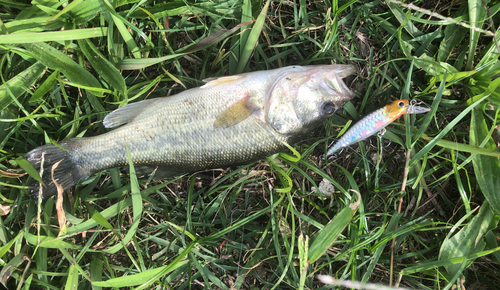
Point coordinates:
[[228, 121]]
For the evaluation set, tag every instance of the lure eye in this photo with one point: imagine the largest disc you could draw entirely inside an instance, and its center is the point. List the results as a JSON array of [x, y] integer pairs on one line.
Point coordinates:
[[401, 104], [327, 108]]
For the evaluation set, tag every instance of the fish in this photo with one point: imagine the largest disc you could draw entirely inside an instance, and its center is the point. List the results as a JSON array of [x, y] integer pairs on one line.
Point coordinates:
[[231, 120], [375, 122]]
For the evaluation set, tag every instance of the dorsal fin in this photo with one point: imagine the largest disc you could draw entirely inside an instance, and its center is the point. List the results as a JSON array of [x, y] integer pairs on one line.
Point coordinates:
[[126, 114], [221, 80]]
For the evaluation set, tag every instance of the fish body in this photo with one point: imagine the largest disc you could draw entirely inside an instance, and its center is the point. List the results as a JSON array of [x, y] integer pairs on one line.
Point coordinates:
[[375, 122], [228, 121]]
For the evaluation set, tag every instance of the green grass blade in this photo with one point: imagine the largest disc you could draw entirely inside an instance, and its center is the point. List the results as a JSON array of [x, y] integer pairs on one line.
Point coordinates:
[[176, 263], [404, 20], [74, 264], [112, 210], [72, 281], [56, 60], [136, 209], [494, 85], [103, 67], [477, 15], [213, 38], [207, 275], [432, 67], [391, 226], [6, 247], [246, 15], [8, 268], [487, 167], [24, 164], [46, 86], [139, 63], [469, 240], [454, 34], [241, 222], [72, 34], [67, 9], [98, 217], [13, 4], [20, 84], [432, 265], [140, 278], [50, 242], [120, 22], [324, 238], [252, 40], [464, 147], [303, 245], [96, 270]]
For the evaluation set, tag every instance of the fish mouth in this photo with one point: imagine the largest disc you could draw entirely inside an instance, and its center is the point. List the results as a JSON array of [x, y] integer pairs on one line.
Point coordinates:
[[345, 70], [417, 110], [332, 82]]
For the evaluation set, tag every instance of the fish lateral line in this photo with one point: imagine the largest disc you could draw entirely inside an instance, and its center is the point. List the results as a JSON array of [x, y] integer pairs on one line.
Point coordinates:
[[376, 121]]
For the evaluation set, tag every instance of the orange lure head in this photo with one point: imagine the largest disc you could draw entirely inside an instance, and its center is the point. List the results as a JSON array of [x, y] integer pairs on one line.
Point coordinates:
[[400, 107]]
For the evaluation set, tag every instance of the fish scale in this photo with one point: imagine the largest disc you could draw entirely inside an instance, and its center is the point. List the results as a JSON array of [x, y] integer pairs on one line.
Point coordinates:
[[375, 122], [228, 121]]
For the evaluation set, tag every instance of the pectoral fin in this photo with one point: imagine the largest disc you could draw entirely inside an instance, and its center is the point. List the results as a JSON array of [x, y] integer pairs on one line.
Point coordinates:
[[236, 113]]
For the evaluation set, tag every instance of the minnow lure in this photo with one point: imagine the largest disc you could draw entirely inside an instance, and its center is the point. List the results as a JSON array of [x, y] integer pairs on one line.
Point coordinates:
[[376, 121]]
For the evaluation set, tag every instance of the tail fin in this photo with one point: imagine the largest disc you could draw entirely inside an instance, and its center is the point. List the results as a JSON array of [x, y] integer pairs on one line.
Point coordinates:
[[67, 173]]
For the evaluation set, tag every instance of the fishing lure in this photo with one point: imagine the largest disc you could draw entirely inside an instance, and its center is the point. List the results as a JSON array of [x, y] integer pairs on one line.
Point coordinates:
[[376, 121]]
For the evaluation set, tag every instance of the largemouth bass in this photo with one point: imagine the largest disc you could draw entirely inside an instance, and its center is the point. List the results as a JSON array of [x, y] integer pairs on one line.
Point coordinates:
[[228, 121]]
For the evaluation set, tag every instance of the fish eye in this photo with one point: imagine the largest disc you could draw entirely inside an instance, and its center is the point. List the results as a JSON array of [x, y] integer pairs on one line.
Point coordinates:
[[401, 104], [327, 108]]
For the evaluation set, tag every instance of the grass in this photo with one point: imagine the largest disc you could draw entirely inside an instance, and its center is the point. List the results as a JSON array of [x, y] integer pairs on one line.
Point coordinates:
[[428, 212]]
